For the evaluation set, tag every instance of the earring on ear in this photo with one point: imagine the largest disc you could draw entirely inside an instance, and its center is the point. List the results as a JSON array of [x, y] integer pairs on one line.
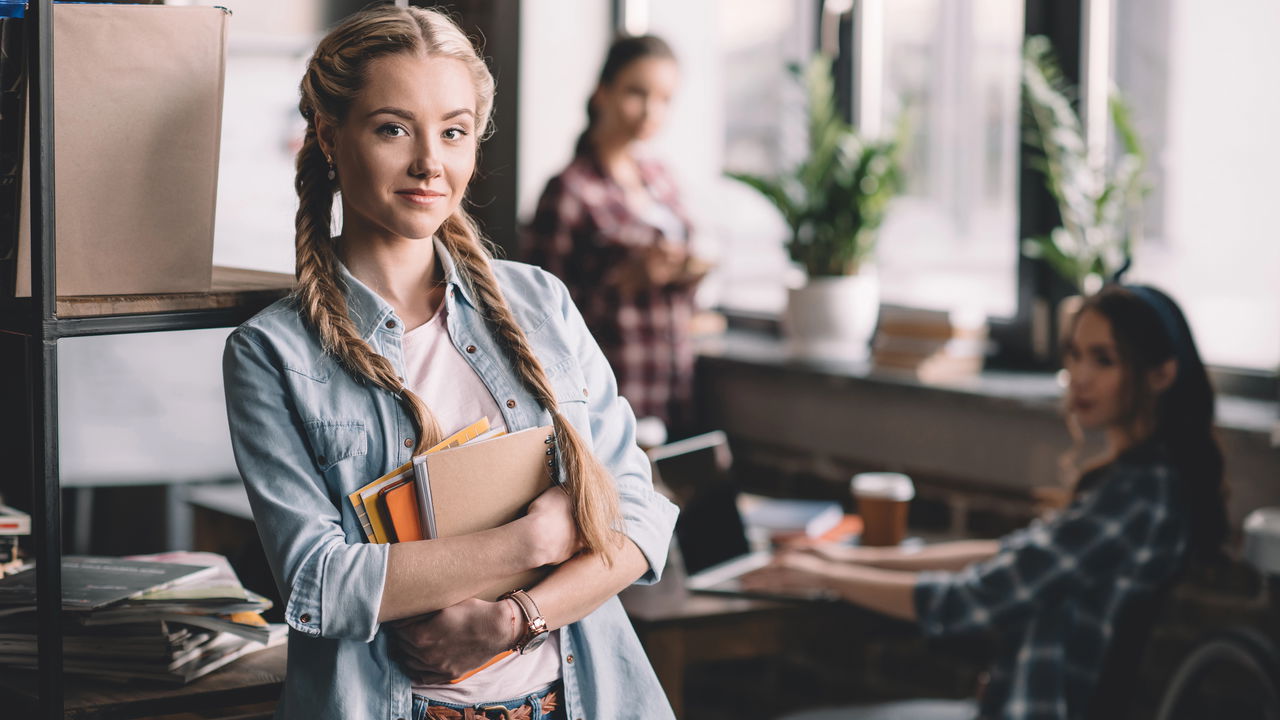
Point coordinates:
[[333, 172]]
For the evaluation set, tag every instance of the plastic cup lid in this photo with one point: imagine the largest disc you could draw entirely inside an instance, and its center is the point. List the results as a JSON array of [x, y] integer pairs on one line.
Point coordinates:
[[883, 485]]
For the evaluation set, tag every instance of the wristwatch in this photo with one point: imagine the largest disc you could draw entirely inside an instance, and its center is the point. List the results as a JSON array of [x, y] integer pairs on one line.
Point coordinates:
[[535, 630]]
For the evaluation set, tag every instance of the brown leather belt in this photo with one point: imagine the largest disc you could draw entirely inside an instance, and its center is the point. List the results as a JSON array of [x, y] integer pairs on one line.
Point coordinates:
[[492, 712]]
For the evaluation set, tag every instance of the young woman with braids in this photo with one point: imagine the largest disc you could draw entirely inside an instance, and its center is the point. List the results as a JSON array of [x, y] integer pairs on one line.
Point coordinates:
[[402, 328], [612, 227], [1061, 591]]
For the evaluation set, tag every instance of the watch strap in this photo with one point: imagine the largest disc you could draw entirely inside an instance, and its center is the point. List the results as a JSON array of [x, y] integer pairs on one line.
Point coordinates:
[[535, 623]]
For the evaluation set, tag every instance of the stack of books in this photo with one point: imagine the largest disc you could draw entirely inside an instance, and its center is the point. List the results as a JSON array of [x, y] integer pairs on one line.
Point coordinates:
[[790, 521], [169, 618], [929, 345], [13, 524], [476, 479]]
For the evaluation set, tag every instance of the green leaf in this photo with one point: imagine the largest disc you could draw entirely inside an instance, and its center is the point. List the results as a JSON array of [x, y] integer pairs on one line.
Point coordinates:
[[1099, 206], [835, 199]]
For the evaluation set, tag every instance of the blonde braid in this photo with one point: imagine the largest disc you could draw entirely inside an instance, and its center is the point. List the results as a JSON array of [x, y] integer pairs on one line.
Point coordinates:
[[588, 482], [334, 77], [322, 302]]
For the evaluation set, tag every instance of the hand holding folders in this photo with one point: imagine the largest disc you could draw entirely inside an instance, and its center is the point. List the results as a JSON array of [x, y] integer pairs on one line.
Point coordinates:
[[472, 481]]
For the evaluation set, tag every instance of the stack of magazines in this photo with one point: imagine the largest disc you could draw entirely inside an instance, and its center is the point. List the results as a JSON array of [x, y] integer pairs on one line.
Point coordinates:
[[170, 618]]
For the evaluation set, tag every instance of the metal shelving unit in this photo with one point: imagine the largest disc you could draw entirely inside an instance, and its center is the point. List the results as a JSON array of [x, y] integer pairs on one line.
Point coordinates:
[[44, 319]]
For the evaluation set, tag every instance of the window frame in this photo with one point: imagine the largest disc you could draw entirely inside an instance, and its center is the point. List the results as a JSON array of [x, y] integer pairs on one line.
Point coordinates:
[[1027, 340]]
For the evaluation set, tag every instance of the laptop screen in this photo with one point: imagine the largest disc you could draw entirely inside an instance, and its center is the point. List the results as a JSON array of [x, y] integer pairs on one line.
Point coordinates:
[[709, 530]]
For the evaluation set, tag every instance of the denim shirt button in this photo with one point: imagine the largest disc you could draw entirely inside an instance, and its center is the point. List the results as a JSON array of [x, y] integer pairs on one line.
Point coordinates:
[[408, 442], [391, 324], [304, 618], [511, 404], [569, 658], [471, 349]]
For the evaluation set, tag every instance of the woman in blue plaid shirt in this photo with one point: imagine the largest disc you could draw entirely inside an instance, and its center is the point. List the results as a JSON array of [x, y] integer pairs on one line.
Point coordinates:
[[1056, 590]]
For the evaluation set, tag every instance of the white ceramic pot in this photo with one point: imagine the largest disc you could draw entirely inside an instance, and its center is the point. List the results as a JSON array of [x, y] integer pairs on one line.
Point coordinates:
[[832, 318]]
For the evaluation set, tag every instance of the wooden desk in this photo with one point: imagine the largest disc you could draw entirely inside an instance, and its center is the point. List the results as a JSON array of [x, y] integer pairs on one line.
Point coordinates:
[[679, 629], [247, 689]]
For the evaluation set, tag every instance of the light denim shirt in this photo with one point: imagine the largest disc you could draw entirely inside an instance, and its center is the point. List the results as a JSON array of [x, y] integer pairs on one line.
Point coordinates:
[[306, 434]]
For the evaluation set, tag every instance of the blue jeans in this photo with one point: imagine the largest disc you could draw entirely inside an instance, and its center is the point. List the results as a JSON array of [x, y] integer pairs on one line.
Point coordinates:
[[534, 700]]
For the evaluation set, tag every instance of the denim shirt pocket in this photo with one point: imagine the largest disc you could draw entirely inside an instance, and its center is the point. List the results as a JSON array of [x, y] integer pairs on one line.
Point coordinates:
[[570, 388], [333, 441], [567, 381]]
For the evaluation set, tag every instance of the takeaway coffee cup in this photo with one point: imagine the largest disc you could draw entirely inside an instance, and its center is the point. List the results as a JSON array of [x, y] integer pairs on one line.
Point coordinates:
[[882, 500]]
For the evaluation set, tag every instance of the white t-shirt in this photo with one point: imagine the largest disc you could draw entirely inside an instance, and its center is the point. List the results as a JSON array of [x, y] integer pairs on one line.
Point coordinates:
[[440, 375]]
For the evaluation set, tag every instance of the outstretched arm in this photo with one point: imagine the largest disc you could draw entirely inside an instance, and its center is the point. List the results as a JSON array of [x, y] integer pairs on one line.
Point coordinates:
[[889, 592], [941, 556]]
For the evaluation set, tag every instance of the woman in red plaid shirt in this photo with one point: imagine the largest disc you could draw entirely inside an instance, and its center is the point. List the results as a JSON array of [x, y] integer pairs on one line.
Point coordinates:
[[611, 226]]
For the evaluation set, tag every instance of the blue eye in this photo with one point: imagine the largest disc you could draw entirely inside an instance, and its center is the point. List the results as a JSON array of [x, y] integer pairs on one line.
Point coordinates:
[[455, 133]]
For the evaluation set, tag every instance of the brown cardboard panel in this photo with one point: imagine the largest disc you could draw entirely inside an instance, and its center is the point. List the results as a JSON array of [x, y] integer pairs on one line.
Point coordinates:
[[137, 123], [482, 486]]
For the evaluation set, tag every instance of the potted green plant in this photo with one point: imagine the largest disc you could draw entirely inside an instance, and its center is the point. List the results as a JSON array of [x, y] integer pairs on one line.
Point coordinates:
[[1100, 202], [833, 203]]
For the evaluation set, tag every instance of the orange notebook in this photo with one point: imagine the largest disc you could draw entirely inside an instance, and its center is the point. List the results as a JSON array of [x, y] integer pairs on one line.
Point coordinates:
[[400, 506]]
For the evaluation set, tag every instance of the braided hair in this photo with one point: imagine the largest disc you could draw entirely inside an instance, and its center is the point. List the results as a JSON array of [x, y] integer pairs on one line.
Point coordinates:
[[334, 77]]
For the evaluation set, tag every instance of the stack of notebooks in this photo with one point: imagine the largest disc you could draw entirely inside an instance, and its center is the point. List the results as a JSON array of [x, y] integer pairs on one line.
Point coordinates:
[[784, 521], [476, 479], [170, 618], [13, 524], [929, 345]]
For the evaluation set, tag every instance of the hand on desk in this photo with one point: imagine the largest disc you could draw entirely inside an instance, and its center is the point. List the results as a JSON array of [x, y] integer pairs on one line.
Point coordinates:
[[799, 572], [840, 552], [792, 571]]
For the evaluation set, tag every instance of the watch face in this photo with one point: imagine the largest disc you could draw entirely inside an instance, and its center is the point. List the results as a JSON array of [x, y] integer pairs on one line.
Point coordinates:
[[534, 643]]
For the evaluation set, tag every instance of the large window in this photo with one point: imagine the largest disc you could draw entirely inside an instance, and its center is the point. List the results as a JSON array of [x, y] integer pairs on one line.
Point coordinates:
[[1196, 76], [1200, 77], [738, 108], [951, 66]]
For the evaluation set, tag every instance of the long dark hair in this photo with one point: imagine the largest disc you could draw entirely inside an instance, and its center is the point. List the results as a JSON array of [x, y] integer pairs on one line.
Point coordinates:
[[1149, 329], [623, 52]]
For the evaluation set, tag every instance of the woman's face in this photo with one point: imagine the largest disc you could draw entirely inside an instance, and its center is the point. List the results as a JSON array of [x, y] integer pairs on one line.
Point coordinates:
[[634, 106], [1094, 393], [407, 148]]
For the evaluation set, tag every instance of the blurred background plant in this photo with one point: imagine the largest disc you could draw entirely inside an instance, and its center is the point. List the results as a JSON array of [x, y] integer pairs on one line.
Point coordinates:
[[1100, 202], [835, 199]]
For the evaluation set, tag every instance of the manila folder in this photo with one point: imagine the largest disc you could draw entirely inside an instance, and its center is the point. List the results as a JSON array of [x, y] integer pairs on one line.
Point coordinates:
[[488, 484]]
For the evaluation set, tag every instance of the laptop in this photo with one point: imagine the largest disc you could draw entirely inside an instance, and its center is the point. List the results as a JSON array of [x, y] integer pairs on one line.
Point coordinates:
[[710, 533]]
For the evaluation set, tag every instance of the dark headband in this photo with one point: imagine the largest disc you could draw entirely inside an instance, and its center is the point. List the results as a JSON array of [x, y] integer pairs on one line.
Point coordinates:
[[1175, 330]]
